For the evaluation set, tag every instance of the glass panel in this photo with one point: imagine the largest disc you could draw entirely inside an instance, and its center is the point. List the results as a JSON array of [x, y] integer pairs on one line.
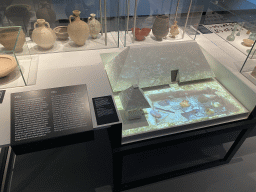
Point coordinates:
[[68, 25], [15, 58], [165, 88], [249, 67], [194, 20], [234, 21], [229, 25], [158, 21]]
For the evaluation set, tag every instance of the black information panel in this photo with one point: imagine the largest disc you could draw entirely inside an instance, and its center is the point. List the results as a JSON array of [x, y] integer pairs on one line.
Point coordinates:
[[49, 113], [105, 110], [2, 92]]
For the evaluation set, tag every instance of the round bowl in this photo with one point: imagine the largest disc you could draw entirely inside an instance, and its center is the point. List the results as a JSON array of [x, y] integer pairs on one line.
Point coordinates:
[[7, 65], [140, 37], [248, 42], [145, 31], [61, 32]]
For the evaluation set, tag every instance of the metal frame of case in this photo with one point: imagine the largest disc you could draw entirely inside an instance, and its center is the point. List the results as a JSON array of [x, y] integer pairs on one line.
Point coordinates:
[[119, 151]]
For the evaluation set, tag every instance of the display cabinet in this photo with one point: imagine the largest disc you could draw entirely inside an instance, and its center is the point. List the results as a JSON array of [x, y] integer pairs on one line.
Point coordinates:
[[173, 87], [158, 21], [234, 22], [17, 66], [64, 25], [249, 66]]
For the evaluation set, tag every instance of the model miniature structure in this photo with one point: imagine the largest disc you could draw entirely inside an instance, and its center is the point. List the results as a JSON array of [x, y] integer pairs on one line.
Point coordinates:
[[177, 81], [133, 101], [156, 65]]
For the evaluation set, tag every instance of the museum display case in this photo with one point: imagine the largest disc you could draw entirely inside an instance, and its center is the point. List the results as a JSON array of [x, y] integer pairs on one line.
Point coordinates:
[[15, 61], [249, 66], [167, 88], [158, 21], [234, 22], [64, 25]]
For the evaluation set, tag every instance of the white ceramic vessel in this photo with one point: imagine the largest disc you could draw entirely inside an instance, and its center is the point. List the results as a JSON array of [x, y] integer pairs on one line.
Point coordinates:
[[78, 30], [43, 36], [94, 25]]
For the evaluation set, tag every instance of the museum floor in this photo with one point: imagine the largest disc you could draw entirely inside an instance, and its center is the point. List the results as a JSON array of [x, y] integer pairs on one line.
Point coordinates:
[[81, 168]]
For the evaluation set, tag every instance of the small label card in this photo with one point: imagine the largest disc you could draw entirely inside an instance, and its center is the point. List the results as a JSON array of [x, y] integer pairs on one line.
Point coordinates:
[[2, 92], [105, 110]]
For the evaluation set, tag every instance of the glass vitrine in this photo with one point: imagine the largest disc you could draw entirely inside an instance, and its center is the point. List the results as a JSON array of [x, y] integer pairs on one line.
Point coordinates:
[[234, 22], [166, 88], [152, 21], [64, 25], [15, 61]]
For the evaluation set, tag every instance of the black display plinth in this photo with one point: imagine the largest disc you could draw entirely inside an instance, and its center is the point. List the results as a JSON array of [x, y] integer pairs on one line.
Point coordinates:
[[49, 118]]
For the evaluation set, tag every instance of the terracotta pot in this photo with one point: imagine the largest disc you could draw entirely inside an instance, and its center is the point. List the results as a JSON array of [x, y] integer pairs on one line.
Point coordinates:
[[160, 27], [43, 36], [174, 30], [7, 65], [145, 31], [137, 31], [46, 13], [78, 30], [140, 34], [61, 32], [8, 38], [94, 26]]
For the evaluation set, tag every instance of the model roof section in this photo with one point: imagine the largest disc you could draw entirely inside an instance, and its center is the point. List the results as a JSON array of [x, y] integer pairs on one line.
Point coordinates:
[[151, 65]]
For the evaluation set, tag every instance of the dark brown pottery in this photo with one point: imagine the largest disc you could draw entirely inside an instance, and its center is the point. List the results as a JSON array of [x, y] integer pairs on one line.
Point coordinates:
[[161, 27], [46, 13]]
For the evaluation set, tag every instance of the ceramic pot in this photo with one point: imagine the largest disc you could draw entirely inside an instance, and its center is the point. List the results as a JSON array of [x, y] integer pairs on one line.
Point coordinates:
[[8, 38], [43, 36], [160, 27], [46, 13], [248, 42], [7, 65], [78, 30], [94, 26], [141, 34], [19, 14], [61, 32], [174, 30]]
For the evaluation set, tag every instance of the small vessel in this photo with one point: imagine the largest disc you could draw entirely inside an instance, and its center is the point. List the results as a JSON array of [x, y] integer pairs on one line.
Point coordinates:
[[155, 113], [188, 114]]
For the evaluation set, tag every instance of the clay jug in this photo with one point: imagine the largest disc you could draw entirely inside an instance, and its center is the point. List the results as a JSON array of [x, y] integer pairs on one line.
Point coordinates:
[[78, 30], [160, 27], [174, 30], [43, 36], [94, 26], [8, 38], [46, 13]]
